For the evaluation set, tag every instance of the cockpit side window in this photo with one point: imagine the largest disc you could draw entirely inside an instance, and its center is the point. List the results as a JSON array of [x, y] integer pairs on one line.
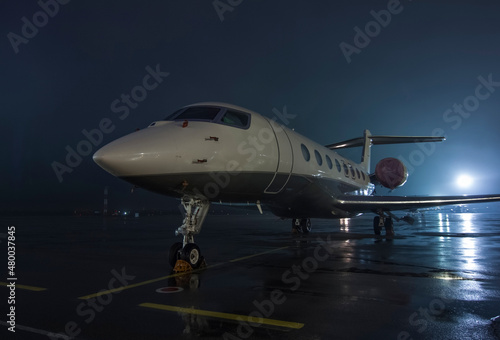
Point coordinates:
[[195, 113], [237, 119]]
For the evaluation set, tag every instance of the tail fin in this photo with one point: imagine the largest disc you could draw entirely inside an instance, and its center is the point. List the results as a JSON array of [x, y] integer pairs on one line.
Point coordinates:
[[368, 140], [365, 156]]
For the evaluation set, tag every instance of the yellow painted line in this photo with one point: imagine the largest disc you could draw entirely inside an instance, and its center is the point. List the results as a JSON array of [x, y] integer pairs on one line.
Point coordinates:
[[229, 316], [18, 286], [254, 255], [119, 289]]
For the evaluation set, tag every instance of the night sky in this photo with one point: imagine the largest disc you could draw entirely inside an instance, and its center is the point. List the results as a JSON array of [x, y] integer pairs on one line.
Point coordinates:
[[395, 68]]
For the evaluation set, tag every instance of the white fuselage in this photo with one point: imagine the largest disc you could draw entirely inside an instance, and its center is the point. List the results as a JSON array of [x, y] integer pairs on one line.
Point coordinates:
[[220, 161]]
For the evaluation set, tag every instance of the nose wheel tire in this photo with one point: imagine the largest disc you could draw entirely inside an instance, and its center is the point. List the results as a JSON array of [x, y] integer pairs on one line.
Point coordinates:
[[174, 253], [192, 255]]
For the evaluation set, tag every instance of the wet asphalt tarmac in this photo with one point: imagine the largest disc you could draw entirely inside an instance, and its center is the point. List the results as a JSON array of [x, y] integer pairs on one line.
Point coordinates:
[[95, 278]]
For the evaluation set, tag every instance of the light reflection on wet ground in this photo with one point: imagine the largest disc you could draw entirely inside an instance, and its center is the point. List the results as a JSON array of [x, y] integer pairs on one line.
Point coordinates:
[[438, 278]]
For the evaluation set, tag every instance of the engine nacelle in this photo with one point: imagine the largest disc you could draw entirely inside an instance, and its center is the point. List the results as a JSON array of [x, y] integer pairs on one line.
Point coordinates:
[[391, 173]]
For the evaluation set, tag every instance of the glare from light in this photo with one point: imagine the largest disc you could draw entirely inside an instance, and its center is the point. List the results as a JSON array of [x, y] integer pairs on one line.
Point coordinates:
[[464, 181], [344, 224]]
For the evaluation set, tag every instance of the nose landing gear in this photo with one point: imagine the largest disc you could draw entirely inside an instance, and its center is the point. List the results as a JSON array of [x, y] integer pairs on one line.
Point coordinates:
[[187, 256]]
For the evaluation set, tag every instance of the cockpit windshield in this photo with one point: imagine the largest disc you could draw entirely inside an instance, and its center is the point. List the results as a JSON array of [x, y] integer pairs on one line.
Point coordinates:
[[220, 115], [196, 113]]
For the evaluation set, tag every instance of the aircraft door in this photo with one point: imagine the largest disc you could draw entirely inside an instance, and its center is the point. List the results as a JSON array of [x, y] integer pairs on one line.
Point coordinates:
[[285, 160]]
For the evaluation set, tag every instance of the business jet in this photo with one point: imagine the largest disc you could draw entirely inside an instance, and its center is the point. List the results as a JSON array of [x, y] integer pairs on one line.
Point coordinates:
[[216, 152]]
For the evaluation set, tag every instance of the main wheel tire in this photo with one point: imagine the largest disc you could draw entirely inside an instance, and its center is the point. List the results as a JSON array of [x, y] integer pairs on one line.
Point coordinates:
[[305, 225], [296, 227], [192, 255], [376, 226], [389, 227], [174, 253]]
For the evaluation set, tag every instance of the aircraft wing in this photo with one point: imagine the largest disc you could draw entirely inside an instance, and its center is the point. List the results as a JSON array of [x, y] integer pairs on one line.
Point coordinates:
[[358, 204]]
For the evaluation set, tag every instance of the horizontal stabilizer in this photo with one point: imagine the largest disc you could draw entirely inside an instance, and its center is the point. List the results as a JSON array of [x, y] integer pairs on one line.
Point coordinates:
[[377, 140]]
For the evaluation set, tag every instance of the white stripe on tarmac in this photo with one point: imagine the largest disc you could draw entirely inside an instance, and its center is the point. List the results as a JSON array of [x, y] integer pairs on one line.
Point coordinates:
[[38, 331]]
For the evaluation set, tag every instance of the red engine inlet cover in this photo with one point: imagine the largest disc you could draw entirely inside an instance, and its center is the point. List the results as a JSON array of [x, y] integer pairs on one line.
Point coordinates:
[[391, 173]]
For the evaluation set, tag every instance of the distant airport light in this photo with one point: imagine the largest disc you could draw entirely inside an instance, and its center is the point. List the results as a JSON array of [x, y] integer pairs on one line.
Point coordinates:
[[464, 181]]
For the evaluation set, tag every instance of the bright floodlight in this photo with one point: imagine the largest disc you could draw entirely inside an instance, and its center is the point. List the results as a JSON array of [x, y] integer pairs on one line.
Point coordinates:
[[464, 181]]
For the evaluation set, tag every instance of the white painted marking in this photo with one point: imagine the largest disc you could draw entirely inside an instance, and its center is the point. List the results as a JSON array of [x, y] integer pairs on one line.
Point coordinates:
[[37, 331]]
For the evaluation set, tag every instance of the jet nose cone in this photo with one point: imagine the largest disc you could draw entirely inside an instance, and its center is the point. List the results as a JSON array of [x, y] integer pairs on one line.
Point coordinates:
[[137, 154], [106, 158], [122, 156], [100, 157]]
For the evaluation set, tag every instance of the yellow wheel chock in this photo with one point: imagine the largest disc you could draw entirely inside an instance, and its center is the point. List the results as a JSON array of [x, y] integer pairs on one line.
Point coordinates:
[[182, 266]]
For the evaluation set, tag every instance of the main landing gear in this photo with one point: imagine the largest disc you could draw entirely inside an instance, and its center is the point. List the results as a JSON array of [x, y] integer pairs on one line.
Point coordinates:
[[186, 256], [301, 226], [383, 221]]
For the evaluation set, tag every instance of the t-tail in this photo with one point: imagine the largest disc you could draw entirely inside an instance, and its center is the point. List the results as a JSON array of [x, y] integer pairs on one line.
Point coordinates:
[[368, 140]]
